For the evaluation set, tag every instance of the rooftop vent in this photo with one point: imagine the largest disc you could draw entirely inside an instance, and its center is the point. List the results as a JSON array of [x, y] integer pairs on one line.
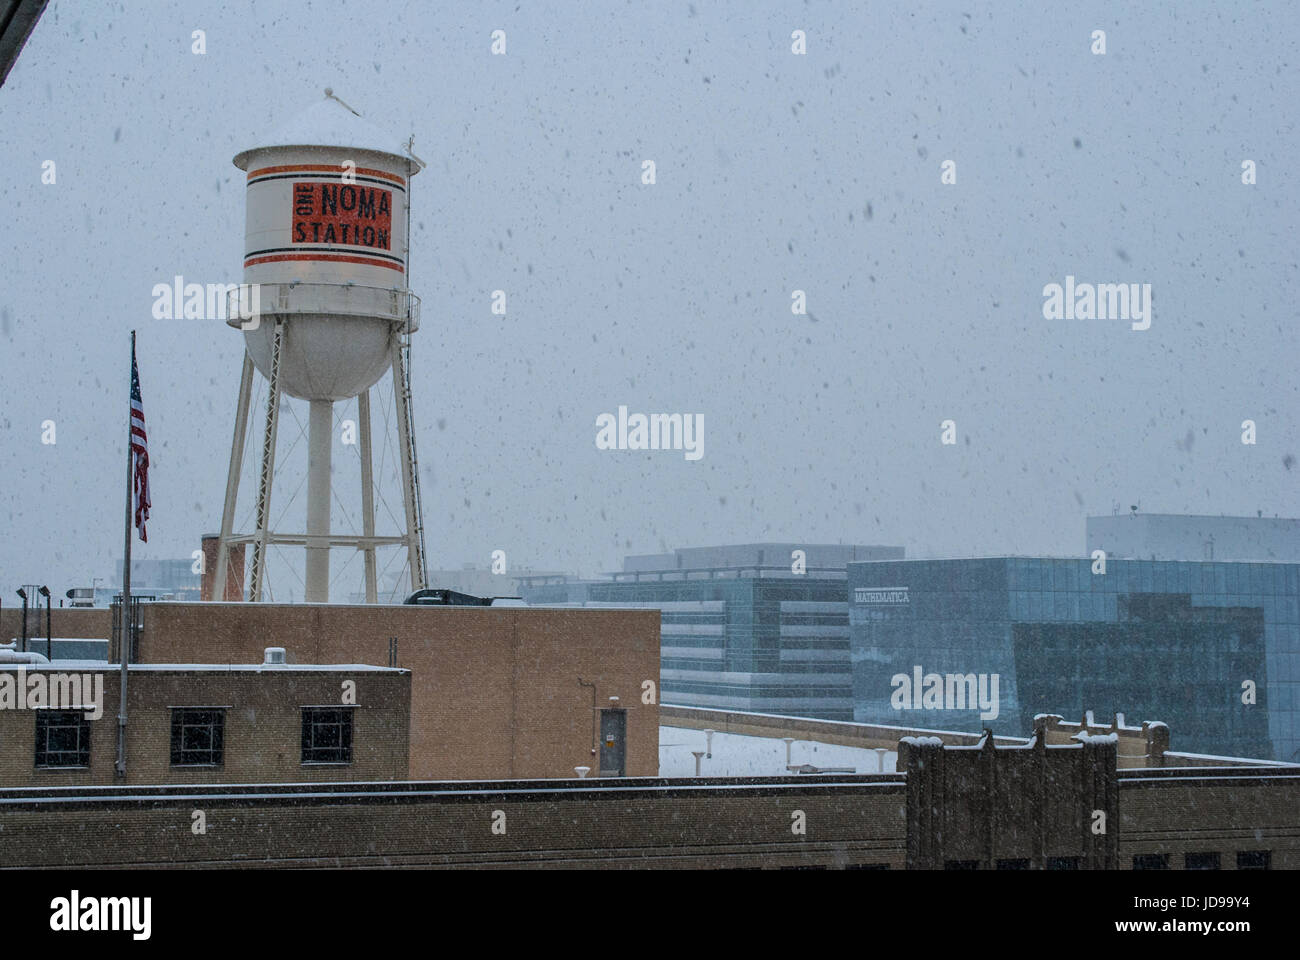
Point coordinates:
[[274, 656], [446, 598]]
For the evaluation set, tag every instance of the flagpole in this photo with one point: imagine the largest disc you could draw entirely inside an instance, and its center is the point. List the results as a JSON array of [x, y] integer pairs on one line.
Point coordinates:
[[127, 631]]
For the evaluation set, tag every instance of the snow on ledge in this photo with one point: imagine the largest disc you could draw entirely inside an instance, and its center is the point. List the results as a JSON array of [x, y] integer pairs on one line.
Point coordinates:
[[1085, 737], [922, 741]]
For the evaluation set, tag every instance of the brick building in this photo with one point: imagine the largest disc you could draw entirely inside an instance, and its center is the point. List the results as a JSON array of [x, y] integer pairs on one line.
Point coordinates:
[[203, 723], [960, 806], [89, 622], [496, 692]]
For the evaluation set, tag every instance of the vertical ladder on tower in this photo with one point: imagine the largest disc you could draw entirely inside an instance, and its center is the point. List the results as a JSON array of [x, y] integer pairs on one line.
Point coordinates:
[[262, 535], [410, 463]]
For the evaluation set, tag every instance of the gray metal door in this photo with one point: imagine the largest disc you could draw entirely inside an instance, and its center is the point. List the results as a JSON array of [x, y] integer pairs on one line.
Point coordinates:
[[613, 743]]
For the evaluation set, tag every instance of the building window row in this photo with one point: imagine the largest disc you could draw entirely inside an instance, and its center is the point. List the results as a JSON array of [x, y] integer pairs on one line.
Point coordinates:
[[1208, 860], [198, 737]]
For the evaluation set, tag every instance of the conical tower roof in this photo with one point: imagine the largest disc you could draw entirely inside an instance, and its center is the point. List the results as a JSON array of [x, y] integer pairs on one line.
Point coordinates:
[[331, 123]]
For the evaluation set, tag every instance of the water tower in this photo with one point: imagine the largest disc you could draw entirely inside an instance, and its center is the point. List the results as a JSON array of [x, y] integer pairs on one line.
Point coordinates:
[[326, 243]]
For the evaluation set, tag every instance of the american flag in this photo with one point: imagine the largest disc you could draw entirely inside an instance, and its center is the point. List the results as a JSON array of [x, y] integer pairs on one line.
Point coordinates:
[[140, 449]]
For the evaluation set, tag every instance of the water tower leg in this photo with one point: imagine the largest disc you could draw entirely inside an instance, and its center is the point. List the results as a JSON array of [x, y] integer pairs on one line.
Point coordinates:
[[257, 570], [367, 495], [410, 471], [320, 439], [232, 478]]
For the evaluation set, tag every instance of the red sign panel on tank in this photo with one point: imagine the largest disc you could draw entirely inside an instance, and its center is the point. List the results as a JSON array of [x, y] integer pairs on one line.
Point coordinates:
[[354, 215]]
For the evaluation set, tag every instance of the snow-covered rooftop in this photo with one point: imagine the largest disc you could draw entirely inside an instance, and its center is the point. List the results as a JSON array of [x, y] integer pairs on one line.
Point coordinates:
[[735, 755]]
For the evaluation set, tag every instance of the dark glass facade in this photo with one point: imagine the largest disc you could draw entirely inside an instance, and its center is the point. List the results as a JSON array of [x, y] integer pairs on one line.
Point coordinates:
[[1155, 640], [760, 644]]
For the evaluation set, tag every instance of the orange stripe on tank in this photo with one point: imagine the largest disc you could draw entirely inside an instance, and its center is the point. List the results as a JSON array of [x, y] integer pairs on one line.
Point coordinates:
[[332, 258], [318, 168]]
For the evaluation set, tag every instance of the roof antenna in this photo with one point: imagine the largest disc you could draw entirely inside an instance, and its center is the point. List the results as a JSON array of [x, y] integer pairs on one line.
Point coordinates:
[[330, 95]]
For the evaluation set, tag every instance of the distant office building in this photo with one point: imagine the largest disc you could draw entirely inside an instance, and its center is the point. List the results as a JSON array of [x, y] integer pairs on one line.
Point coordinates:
[[165, 579], [1169, 536], [471, 579], [741, 629], [754, 559], [1182, 642]]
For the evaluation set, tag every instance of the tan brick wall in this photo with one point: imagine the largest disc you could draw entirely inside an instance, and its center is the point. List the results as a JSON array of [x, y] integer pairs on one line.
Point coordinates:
[[263, 729], [95, 622], [1043, 802], [494, 690], [630, 824], [692, 826], [234, 570], [1203, 815]]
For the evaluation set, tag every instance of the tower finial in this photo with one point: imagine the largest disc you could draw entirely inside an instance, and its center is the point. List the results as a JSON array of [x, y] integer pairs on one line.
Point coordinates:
[[329, 94]]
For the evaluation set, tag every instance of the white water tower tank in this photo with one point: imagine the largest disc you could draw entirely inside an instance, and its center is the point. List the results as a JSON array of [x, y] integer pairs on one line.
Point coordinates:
[[328, 253], [325, 243]]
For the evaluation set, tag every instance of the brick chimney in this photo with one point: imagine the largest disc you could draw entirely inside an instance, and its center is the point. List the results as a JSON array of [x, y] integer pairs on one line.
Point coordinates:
[[234, 570]]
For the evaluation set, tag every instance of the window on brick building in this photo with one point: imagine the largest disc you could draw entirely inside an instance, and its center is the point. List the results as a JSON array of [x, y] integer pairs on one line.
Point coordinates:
[[1151, 861], [62, 738], [1201, 861], [1254, 859], [326, 735], [198, 736], [1063, 863], [1016, 863]]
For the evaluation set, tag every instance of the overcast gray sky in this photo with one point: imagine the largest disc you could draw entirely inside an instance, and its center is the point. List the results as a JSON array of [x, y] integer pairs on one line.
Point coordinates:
[[775, 172]]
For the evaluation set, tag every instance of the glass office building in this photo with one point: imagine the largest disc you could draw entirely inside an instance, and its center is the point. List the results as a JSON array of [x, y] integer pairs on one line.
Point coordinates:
[[739, 642], [740, 628], [935, 642]]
